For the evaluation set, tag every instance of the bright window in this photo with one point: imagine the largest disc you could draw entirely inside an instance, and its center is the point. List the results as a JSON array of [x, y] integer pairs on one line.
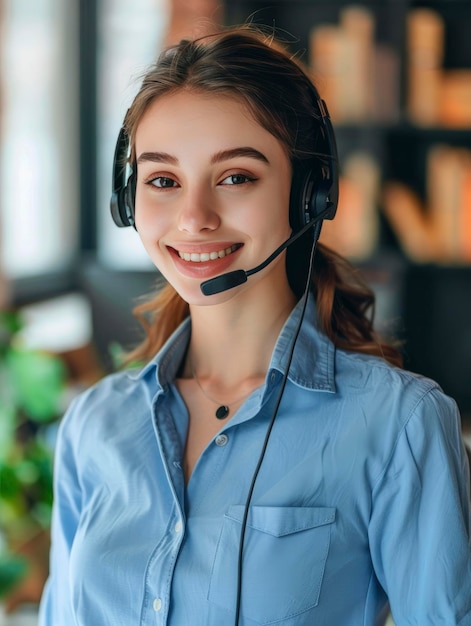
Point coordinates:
[[38, 136], [129, 40]]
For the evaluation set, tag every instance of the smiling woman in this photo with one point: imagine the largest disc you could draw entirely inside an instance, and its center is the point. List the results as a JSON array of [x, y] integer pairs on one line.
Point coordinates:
[[270, 462]]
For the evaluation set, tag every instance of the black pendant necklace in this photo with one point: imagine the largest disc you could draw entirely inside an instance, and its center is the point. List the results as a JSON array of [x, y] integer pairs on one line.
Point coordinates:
[[223, 410]]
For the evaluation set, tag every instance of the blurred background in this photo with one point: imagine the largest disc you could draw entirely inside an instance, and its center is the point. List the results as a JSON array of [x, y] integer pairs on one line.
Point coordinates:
[[396, 75]]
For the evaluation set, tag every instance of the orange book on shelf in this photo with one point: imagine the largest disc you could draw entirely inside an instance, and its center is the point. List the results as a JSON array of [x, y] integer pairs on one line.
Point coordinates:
[[358, 25], [327, 54], [408, 219], [455, 98], [354, 232], [342, 62], [386, 90], [446, 167], [425, 50], [465, 213]]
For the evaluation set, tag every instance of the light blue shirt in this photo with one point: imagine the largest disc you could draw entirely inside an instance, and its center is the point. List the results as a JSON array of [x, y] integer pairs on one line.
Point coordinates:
[[362, 496]]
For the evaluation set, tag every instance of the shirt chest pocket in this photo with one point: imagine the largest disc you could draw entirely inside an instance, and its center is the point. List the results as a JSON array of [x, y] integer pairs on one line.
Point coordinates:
[[285, 552]]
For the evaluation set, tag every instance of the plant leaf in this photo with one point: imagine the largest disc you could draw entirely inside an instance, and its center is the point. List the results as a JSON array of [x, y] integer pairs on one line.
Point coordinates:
[[7, 430], [38, 380], [12, 570]]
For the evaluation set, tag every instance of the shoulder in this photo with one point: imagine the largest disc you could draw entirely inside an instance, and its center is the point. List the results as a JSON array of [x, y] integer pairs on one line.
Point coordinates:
[[112, 388], [399, 418], [391, 397], [110, 402], [363, 373]]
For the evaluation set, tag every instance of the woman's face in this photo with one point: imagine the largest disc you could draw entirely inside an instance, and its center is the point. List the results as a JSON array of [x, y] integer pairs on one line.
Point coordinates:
[[212, 194]]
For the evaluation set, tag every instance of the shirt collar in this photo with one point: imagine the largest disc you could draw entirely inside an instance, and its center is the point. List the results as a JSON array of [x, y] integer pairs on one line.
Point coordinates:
[[168, 359], [312, 364]]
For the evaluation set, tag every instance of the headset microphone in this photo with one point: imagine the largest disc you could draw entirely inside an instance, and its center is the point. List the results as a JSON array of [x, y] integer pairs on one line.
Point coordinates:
[[229, 280]]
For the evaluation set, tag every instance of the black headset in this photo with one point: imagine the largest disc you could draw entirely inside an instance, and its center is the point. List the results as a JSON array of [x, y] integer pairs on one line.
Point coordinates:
[[314, 198]]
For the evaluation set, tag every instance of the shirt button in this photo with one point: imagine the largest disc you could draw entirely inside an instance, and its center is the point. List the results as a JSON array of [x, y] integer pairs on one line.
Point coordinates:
[[178, 527], [157, 604], [221, 440]]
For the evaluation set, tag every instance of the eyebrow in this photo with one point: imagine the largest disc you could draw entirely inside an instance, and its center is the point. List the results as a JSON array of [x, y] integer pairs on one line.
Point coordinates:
[[233, 153], [157, 157], [223, 155]]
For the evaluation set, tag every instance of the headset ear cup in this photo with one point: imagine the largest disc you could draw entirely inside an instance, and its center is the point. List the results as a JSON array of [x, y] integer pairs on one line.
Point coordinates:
[[317, 200], [122, 205], [314, 189], [299, 186], [115, 209], [130, 200], [124, 185], [311, 198]]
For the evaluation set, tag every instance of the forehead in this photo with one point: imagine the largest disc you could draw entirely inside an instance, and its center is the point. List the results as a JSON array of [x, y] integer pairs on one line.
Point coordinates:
[[198, 112], [189, 104]]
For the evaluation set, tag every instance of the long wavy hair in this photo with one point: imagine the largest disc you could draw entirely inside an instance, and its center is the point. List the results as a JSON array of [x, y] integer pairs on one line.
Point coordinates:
[[252, 66]]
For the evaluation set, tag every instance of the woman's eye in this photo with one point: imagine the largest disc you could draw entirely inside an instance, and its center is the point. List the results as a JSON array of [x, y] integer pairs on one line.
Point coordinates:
[[163, 182], [237, 179]]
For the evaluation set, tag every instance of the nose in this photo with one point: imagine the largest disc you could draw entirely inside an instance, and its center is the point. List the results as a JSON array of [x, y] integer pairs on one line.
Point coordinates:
[[198, 212]]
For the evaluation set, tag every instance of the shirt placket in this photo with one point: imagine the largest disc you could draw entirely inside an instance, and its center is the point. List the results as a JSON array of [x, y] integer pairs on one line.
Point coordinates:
[[161, 564]]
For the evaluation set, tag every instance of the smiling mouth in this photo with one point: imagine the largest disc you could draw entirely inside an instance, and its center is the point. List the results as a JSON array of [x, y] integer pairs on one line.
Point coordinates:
[[197, 257]]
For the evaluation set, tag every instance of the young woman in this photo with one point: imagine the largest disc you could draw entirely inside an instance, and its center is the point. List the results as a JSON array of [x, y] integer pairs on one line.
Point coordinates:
[[271, 463]]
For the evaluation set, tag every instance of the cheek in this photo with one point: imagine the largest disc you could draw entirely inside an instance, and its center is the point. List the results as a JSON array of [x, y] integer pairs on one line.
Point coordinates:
[[279, 217], [271, 207], [280, 201], [150, 222]]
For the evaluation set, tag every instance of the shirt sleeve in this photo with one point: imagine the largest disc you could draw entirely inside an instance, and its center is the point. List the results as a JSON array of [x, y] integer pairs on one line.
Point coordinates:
[[420, 524], [55, 607]]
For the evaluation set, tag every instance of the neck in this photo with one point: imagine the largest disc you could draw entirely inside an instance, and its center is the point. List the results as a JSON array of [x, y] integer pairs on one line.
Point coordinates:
[[233, 342]]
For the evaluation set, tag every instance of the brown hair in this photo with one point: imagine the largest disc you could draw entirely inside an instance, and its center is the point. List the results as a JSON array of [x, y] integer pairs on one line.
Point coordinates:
[[246, 63]]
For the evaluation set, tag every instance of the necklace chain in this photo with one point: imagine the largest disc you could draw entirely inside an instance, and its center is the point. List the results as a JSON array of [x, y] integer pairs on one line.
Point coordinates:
[[223, 409]]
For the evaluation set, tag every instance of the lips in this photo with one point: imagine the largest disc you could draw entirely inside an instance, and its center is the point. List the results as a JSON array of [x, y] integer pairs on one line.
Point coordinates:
[[204, 257]]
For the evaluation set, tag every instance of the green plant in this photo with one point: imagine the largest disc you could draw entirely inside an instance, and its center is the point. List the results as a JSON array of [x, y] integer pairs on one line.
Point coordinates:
[[32, 384]]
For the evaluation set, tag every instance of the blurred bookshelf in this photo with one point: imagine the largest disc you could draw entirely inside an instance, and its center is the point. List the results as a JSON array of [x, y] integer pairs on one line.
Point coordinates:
[[396, 76]]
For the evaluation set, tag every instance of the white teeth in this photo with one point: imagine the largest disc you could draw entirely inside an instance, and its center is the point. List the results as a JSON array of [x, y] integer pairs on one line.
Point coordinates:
[[195, 257]]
